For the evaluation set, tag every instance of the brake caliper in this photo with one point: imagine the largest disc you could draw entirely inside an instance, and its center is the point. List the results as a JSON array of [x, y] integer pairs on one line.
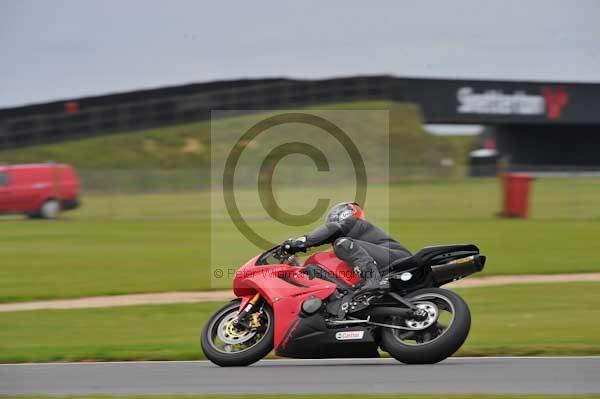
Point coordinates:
[[255, 320]]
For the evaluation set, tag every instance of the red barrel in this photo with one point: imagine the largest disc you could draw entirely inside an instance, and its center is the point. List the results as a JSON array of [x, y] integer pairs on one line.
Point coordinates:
[[516, 194]]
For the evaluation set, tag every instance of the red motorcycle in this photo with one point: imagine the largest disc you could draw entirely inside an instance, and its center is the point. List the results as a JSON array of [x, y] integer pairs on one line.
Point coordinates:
[[316, 309]]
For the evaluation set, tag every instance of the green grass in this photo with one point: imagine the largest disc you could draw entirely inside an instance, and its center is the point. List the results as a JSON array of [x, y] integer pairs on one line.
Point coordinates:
[[517, 320], [75, 258], [154, 242], [82, 258], [319, 396]]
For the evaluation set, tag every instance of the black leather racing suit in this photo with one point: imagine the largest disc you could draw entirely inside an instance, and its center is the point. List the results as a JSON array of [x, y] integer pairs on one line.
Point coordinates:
[[360, 243]]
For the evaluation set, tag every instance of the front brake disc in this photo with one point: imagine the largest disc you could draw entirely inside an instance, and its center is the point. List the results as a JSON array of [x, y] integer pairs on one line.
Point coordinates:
[[228, 332]]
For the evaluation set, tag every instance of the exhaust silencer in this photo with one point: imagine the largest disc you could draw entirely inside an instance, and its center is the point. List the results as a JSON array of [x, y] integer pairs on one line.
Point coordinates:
[[457, 268]]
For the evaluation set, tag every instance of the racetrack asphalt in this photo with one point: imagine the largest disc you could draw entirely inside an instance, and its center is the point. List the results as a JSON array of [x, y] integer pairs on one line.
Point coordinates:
[[565, 375]]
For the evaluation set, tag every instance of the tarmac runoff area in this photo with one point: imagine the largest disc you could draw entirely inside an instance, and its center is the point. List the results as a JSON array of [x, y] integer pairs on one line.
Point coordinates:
[[541, 375]]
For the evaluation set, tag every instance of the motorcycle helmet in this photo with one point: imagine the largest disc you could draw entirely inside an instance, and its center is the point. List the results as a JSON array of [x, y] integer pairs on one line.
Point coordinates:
[[343, 210]]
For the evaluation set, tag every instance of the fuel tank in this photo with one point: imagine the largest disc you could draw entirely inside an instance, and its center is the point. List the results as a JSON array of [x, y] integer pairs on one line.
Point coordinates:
[[335, 267]]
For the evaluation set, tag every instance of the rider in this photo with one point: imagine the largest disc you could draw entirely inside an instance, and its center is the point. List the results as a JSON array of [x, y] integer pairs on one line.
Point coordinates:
[[366, 247]]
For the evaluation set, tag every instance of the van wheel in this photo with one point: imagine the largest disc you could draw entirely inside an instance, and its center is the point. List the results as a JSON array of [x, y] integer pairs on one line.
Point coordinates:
[[50, 209]]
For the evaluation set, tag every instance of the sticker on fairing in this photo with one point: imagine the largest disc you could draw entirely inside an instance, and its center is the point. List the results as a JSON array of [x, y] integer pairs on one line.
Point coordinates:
[[346, 335]]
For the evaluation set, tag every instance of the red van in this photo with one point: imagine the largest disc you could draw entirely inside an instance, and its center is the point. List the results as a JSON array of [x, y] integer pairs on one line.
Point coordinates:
[[38, 190]]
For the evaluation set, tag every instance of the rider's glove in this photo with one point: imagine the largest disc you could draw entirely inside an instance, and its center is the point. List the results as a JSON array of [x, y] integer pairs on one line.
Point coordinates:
[[292, 246]]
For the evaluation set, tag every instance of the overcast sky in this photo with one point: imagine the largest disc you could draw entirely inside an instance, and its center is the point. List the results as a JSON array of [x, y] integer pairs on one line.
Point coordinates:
[[60, 49]]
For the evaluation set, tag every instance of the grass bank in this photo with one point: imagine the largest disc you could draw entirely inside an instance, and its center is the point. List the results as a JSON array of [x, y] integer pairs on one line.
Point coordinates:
[[316, 396]]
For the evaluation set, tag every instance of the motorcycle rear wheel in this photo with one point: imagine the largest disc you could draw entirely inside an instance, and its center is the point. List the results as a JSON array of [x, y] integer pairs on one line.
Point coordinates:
[[437, 342], [227, 346]]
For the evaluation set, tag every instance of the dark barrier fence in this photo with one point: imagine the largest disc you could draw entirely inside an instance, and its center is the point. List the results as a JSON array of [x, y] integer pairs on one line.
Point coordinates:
[[93, 116], [441, 101]]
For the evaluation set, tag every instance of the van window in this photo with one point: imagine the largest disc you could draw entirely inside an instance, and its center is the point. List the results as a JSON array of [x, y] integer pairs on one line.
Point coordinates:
[[3, 179]]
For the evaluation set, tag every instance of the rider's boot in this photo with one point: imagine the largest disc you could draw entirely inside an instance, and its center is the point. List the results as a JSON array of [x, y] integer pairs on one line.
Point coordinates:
[[373, 281]]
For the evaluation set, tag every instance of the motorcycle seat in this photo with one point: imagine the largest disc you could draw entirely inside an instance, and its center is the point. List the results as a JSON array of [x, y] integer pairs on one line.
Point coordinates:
[[439, 253]]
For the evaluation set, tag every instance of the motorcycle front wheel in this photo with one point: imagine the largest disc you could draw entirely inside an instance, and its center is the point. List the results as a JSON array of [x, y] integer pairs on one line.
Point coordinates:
[[227, 343], [443, 331]]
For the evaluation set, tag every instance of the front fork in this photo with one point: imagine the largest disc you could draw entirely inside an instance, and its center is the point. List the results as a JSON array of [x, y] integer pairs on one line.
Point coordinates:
[[243, 313]]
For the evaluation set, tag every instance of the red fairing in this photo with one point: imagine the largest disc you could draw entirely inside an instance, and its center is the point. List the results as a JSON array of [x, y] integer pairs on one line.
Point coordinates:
[[340, 269], [284, 287]]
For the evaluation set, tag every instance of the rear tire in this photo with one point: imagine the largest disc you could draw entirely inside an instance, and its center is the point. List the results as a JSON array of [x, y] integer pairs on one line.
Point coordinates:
[[438, 348], [243, 358], [50, 209]]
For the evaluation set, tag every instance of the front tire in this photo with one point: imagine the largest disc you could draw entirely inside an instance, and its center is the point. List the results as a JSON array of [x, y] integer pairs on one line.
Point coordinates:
[[226, 347], [435, 343]]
